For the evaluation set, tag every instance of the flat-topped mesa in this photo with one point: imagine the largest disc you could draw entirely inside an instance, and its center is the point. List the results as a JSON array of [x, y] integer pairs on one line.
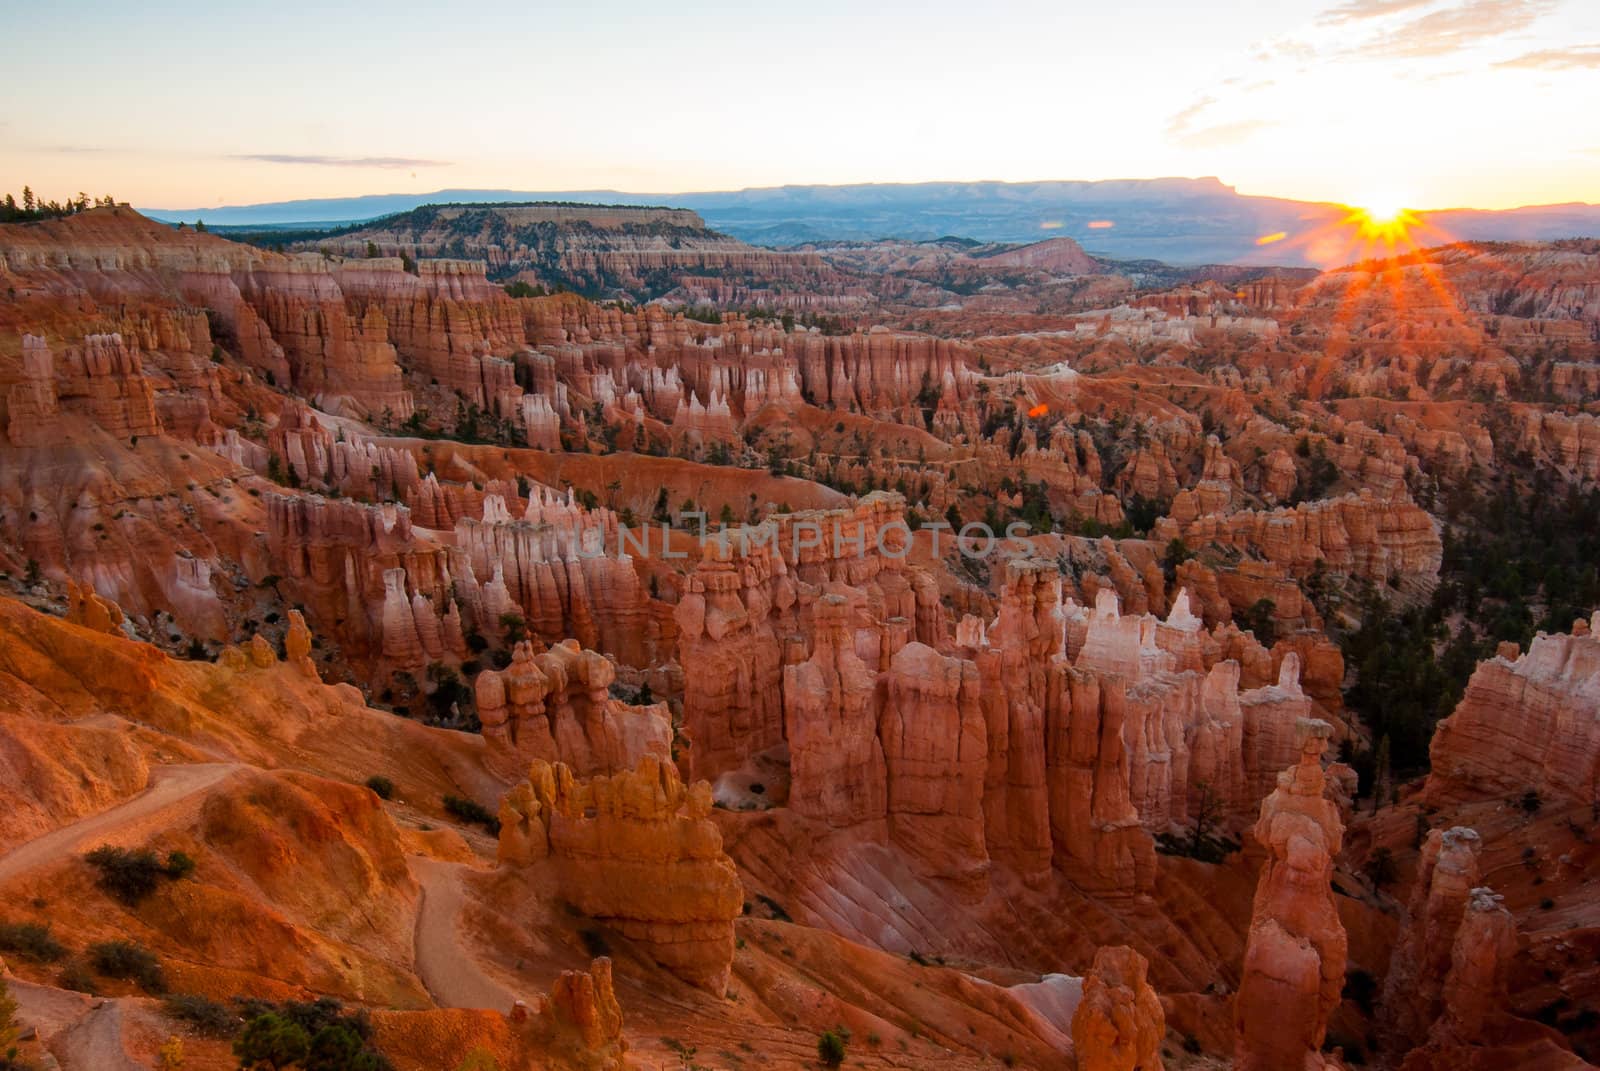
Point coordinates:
[[1295, 955], [1528, 722], [1119, 1023], [1413, 991], [1361, 534], [556, 705], [638, 851]]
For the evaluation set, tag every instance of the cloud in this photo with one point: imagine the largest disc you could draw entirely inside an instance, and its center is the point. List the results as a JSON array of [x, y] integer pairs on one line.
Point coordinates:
[[1452, 29], [1179, 124], [1556, 59], [1181, 128], [1358, 10], [1212, 137], [392, 163]]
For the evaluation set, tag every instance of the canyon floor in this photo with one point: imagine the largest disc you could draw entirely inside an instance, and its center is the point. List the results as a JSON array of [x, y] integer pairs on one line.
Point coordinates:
[[914, 655]]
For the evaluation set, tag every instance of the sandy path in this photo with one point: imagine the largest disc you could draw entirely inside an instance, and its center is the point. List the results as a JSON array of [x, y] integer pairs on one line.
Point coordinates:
[[95, 1041], [170, 785], [443, 961]]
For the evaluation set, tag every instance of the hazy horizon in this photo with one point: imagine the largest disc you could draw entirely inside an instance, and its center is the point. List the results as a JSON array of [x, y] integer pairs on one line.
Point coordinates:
[[1433, 104]]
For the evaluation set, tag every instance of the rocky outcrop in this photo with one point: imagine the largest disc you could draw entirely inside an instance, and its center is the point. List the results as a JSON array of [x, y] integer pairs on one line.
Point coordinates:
[[556, 706], [935, 747], [1294, 960], [831, 723], [579, 1025], [1527, 722], [727, 642], [1360, 534], [638, 851], [1413, 991], [1119, 1024]]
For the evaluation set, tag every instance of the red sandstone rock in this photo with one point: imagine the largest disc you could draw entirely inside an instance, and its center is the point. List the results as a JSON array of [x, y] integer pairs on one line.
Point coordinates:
[[1119, 1024], [638, 851], [1525, 723], [1295, 959]]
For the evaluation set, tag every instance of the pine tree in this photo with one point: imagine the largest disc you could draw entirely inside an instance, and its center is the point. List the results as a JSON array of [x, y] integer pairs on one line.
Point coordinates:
[[27, 199]]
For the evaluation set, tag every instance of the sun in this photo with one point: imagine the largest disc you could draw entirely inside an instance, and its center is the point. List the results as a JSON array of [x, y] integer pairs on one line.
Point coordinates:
[[1381, 217]]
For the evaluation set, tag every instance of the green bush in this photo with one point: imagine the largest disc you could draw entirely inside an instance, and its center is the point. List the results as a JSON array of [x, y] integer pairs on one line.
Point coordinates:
[[831, 1046], [129, 961], [132, 874], [129, 874], [472, 811], [30, 940], [271, 1041], [77, 977], [382, 786], [324, 1036], [206, 1016]]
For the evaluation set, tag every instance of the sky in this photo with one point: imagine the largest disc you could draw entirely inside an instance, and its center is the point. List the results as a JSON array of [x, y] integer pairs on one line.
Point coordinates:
[[1425, 103]]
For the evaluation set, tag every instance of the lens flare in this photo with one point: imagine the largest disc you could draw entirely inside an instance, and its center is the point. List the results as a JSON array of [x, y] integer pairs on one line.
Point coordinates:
[[1382, 217]]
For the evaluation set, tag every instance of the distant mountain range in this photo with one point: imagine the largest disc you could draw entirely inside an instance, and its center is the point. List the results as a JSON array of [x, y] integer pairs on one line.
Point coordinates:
[[1176, 220]]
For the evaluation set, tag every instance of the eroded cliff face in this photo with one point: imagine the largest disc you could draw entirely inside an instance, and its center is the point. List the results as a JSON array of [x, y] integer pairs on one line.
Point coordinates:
[[1527, 722], [636, 850], [557, 705]]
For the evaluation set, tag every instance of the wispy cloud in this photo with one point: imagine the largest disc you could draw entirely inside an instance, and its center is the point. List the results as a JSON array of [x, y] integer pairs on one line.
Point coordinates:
[[392, 163], [1212, 137], [1556, 59], [1181, 121], [1452, 29], [1181, 128], [1360, 10]]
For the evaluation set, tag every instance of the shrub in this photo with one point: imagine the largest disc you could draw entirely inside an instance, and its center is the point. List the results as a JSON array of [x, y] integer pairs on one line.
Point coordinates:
[[77, 977], [129, 961], [30, 941], [382, 786], [271, 1041], [831, 1046], [1531, 803], [170, 1055], [472, 811], [131, 874], [206, 1016], [332, 1039]]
